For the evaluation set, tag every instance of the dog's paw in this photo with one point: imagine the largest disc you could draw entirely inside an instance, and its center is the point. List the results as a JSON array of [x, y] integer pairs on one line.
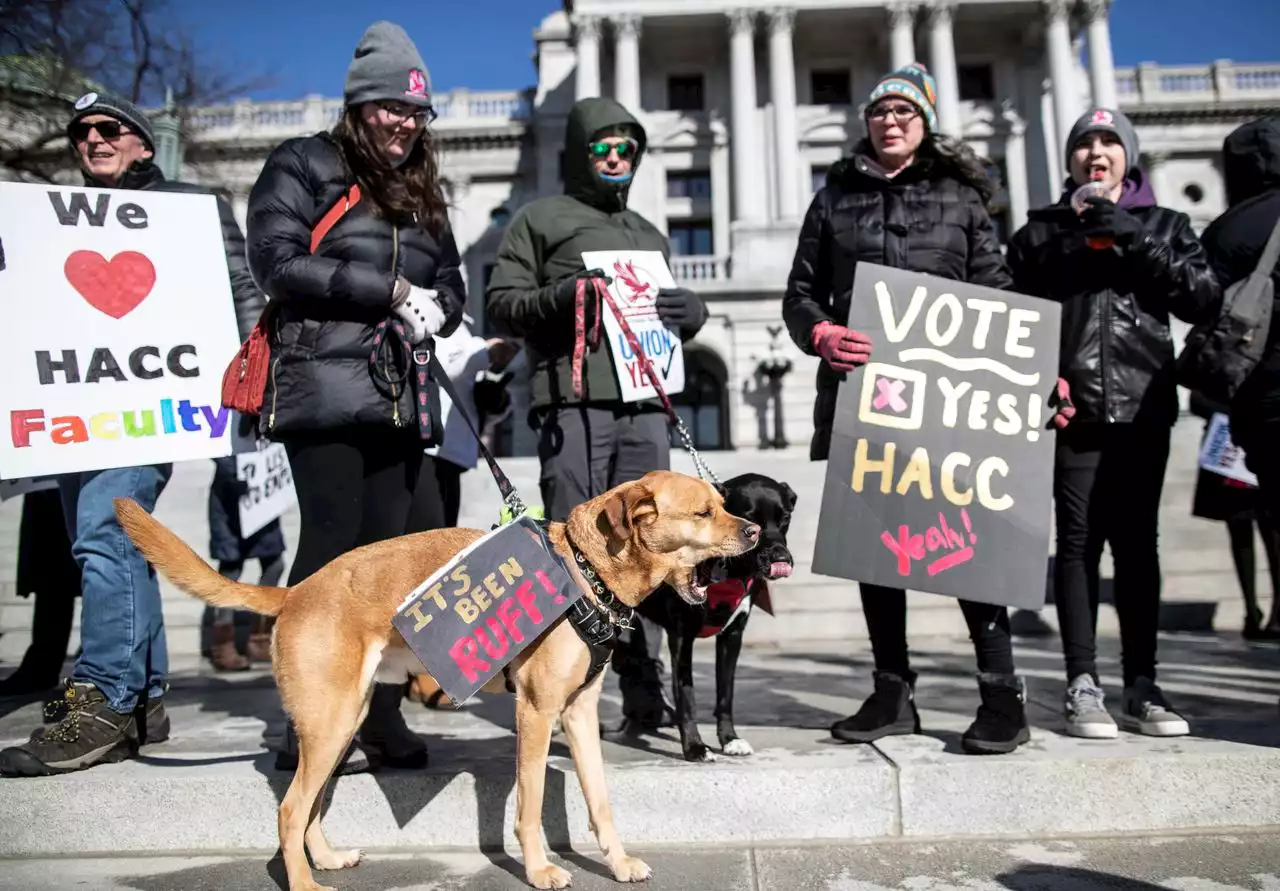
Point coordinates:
[[632, 869], [698, 752], [338, 859], [550, 876], [738, 748]]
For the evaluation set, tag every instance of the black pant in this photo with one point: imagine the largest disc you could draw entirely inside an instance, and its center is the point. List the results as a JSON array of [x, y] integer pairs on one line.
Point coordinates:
[[438, 497], [584, 453], [1260, 440], [885, 610], [355, 486], [1107, 484]]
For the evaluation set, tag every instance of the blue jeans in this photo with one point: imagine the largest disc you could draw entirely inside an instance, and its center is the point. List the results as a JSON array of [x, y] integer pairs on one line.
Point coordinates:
[[122, 642]]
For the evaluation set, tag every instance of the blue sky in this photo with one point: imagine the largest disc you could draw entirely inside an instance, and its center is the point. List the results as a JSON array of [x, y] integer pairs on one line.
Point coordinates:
[[487, 44]]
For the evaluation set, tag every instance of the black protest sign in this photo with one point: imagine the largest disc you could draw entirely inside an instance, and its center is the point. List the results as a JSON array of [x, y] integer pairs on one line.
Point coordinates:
[[485, 606], [940, 475]]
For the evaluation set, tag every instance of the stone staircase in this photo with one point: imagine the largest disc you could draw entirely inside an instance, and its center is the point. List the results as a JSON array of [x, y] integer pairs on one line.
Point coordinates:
[[1200, 588]]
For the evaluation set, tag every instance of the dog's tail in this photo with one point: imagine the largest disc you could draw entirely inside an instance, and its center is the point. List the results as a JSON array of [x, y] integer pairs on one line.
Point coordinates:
[[184, 567]]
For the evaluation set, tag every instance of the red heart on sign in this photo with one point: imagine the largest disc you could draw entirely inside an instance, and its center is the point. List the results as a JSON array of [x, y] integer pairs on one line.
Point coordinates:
[[114, 286]]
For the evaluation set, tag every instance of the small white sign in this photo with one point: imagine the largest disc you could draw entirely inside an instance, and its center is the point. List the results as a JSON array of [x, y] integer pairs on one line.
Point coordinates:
[[1218, 454], [14, 488], [118, 324], [266, 472], [637, 276]]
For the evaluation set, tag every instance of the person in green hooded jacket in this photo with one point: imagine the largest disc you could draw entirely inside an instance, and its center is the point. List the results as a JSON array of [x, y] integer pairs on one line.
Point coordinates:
[[590, 440]]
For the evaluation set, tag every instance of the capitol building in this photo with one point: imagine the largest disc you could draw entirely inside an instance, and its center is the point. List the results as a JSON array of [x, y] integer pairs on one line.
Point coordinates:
[[746, 107]]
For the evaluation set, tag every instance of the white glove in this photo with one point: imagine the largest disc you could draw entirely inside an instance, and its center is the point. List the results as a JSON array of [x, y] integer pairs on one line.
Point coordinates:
[[421, 313]]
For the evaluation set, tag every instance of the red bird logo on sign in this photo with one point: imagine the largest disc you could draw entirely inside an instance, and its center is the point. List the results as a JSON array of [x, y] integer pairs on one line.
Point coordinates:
[[633, 288], [417, 84]]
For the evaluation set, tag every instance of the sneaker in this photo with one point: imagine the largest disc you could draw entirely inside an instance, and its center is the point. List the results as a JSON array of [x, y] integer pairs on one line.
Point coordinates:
[[89, 733], [889, 711], [1084, 712], [1001, 722], [1146, 711], [355, 760]]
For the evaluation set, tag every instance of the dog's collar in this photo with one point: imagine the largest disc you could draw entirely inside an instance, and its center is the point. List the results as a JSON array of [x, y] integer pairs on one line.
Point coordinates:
[[615, 611]]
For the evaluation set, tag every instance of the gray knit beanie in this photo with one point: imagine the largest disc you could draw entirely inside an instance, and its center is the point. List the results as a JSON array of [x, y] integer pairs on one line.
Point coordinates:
[[1111, 121], [117, 107], [387, 66]]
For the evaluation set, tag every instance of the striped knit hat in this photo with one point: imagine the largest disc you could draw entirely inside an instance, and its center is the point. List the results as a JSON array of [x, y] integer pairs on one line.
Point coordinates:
[[915, 84]]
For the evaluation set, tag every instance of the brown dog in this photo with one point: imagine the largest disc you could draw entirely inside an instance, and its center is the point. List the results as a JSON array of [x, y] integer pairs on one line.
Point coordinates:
[[334, 636]]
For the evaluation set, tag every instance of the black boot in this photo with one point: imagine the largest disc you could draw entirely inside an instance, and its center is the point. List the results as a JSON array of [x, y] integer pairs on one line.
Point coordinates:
[[890, 711], [385, 732], [1001, 724]]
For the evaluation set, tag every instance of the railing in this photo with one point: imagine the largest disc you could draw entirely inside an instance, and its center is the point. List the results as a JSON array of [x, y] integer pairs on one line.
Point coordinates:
[[1224, 81], [249, 120], [693, 269]]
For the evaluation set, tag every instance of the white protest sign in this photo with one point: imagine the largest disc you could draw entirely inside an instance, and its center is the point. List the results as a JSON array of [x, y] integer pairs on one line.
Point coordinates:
[[1218, 454], [637, 276], [118, 325], [14, 488], [266, 472]]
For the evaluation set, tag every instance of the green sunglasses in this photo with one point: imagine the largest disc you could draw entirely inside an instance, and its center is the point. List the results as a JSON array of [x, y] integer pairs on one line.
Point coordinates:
[[601, 149]]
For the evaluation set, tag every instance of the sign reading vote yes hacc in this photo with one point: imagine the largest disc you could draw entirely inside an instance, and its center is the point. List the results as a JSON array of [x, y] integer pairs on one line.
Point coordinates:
[[118, 323], [940, 475], [485, 606]]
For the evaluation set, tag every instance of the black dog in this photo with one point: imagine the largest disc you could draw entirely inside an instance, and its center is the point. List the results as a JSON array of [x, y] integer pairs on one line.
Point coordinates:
[[769, 504]]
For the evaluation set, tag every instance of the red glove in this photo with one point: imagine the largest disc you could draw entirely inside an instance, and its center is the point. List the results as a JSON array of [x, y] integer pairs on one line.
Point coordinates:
[[1066, 410], [843, 348]]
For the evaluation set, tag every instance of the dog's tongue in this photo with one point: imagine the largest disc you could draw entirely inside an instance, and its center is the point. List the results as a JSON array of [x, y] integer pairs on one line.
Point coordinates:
[[780, 570]]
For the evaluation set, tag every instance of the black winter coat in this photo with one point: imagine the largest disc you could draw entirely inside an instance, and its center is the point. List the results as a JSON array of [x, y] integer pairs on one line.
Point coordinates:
[[321, 374], [929, 219], [1234, 242], [1116, 351]]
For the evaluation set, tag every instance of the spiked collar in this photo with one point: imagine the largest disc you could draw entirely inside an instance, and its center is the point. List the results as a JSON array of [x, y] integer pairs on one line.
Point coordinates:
[[614, 610]]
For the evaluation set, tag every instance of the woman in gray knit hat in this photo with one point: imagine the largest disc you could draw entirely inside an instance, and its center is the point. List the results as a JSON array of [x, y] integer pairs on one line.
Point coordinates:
[[349, 235]]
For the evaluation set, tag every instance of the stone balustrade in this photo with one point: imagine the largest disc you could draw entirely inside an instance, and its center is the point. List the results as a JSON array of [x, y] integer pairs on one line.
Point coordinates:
[[699, 268], [1224, 81]]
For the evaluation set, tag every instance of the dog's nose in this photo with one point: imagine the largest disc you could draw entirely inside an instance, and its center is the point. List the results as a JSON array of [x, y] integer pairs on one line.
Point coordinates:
[[751, 532]]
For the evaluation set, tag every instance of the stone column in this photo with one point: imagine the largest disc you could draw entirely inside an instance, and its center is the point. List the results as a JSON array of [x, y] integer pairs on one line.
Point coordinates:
[[587, 48], [748, 185], [626, 61], [782, 87], [1061, 74], [1015, 168], [1102, 68], [942, 62], [721, 215], [902, 41]]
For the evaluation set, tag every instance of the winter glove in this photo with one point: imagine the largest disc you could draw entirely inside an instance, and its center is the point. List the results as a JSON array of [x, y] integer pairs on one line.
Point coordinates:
[[842, 348], [419, 309], [1104, 220], [680, 308], [567, 294], [1061, 398]]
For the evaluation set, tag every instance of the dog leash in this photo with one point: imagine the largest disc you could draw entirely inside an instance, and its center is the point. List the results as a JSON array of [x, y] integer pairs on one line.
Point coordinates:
[[583, 339]]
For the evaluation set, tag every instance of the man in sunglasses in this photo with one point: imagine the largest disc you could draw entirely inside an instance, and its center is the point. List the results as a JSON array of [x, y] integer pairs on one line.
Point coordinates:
[[589, 439], [113, 700]]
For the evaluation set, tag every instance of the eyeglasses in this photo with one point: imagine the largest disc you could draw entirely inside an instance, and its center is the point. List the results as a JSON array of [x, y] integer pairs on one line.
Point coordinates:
[[903, 112], [108, 130], [601, 149], [402, 112]]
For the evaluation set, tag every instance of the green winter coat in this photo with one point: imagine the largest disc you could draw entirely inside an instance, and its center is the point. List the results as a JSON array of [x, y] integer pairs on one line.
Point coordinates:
[[544, 244]]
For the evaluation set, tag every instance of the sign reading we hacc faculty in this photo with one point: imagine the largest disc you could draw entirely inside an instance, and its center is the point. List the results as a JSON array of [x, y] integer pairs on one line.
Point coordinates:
[[118, 324]]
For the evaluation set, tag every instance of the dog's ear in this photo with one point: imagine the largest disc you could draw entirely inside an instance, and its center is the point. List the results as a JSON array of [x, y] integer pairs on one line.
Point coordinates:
[[628, 506], [789, 497]]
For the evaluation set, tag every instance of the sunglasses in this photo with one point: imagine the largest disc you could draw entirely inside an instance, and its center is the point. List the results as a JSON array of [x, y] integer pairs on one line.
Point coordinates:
[[903, 112], [108, 130], [601, 149], [401, 112]]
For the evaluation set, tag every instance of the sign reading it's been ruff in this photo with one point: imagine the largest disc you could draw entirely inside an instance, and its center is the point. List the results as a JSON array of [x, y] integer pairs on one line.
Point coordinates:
[[940, 475], [478, 612]]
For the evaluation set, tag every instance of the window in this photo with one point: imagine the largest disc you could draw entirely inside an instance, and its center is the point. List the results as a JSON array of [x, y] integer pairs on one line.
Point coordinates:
[[703, 405], [499, 216], [684, 92], [977, 83], [830, 87], [819, 175], [1194, 192], [690, 238], [689, 184]]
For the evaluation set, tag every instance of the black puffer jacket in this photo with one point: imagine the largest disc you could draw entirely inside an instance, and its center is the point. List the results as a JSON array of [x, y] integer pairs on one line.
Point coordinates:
[[321, 375], [929, 218], [1234, 243], [1116, 353]]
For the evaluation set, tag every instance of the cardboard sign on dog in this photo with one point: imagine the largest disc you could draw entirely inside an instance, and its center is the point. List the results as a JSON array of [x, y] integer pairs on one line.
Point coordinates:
[[940, 475], [485, 606]]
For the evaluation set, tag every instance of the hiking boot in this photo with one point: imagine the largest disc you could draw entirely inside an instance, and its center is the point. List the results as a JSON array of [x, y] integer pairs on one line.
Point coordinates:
[[354, 761], [889, 711], [259, 648], [1084, 711], [385, 732], [90, 733], [152, 721], [1146, 711], [1001, 724], [223, 653]]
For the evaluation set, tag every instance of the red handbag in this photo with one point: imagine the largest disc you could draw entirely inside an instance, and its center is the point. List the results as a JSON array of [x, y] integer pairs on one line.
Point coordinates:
[[245, 380]]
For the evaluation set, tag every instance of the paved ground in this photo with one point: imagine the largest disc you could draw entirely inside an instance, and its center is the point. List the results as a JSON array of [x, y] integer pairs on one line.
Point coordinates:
[[1241, 862]]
